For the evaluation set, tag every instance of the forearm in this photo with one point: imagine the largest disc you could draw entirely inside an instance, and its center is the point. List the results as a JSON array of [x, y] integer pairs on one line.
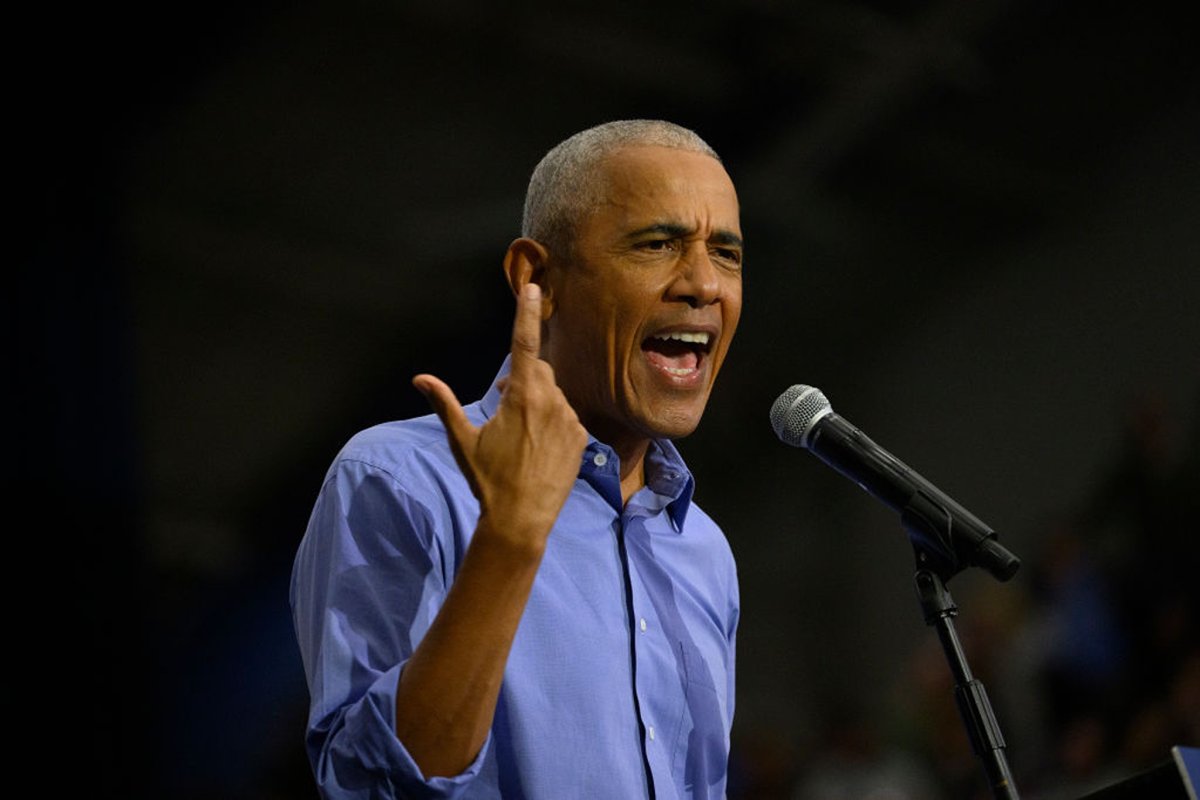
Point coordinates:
[[521, 465], [446, 697]]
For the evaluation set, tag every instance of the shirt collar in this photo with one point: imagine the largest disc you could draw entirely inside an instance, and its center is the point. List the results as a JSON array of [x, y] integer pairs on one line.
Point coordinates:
[[666, 474]]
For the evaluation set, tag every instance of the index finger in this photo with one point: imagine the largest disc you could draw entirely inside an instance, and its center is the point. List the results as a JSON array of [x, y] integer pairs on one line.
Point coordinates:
[[527, 328]]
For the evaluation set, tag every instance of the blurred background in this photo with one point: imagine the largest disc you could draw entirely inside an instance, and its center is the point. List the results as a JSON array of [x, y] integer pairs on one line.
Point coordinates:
[[242, 227]]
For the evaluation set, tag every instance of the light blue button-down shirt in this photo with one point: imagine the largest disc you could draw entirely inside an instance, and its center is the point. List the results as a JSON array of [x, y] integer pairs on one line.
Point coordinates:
[[620, 682]]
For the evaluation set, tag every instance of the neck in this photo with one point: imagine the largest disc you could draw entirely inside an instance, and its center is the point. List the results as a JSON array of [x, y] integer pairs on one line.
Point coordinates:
[[633, 469], [631, 449]]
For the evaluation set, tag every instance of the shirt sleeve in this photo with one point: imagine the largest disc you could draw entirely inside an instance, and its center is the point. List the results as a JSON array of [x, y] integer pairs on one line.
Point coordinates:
[[368, 579]]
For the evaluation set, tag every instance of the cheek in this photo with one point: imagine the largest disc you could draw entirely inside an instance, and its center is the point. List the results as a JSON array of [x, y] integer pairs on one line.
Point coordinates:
[[732, 311], [730, 314], [731, 298], [733, 295]]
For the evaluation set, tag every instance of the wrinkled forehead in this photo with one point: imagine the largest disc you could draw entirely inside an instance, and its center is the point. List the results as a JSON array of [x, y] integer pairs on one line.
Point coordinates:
[[650, 182]]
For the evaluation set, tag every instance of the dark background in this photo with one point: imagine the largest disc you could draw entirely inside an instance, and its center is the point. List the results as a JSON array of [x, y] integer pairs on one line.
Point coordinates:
[[242, 227]]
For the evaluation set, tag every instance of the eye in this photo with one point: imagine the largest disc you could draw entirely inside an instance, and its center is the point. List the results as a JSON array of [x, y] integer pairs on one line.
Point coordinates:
[[728, 255], [657, 244]]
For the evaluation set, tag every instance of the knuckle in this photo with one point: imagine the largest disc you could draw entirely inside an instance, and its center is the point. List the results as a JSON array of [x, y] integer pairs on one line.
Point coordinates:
[[524, 341]]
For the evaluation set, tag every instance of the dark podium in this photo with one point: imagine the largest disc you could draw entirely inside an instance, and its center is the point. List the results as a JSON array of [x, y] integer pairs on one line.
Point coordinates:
[[1176, 778]]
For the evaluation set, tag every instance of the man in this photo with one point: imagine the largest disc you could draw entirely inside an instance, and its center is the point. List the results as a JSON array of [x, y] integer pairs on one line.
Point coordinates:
[[517, 598]]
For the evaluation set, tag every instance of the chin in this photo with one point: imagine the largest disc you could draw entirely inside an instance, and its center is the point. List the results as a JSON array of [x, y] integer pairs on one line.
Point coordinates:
[[670, 426]]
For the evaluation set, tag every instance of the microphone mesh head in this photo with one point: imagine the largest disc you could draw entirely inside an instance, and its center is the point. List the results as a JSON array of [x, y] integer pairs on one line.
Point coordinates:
[[796, 411]]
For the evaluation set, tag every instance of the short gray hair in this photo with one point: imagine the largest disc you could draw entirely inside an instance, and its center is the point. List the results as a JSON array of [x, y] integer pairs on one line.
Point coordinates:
[[562, 187]]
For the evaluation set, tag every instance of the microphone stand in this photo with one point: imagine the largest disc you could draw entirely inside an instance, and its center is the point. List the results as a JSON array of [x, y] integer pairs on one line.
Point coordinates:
[[939, 610], [937, 562]]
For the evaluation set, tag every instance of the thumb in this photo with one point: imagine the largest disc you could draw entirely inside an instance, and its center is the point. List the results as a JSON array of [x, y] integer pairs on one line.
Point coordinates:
[[459, 430]]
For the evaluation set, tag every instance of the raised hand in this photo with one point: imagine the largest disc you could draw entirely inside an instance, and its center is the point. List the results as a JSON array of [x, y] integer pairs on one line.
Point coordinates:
[[521, 466], [522, 463]]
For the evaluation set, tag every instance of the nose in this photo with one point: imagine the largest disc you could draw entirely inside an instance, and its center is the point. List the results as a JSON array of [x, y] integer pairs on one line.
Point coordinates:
[[697, 281]]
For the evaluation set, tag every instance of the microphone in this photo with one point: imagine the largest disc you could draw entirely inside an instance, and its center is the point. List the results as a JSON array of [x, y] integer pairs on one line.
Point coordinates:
[[941, 529]]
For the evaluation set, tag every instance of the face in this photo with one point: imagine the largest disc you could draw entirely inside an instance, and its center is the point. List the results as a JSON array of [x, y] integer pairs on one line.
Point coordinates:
[[644, 308]]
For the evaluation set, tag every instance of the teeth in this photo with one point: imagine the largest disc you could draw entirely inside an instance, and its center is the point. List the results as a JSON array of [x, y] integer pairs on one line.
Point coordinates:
[[685, 336]]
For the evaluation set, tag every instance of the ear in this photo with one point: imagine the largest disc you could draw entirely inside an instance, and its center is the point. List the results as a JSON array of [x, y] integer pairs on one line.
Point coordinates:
[[526, 261]]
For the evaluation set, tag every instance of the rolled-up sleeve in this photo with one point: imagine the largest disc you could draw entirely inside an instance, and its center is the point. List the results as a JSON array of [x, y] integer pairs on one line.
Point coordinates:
[[369, 577]]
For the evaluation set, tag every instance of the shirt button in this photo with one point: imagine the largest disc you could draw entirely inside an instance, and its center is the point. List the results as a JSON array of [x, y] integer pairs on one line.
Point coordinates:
[[652, 733], [643, 625], [599, 459]]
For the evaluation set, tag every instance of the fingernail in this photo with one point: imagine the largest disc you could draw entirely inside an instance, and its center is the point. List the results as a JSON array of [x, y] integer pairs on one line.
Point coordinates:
[[532, 291]]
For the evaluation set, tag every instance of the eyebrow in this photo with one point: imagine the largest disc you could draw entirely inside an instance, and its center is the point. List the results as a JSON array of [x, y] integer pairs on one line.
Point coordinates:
[[677, 231]]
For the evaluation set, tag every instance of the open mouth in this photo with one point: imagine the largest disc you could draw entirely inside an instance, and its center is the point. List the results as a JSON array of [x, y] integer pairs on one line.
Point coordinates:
[[678, 353]]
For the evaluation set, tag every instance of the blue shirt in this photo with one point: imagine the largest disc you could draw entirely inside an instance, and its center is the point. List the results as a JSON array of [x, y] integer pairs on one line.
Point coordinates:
[[620, 681]]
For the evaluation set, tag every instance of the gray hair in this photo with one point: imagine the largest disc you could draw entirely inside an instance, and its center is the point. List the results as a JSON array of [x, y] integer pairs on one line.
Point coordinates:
[[561, 189]]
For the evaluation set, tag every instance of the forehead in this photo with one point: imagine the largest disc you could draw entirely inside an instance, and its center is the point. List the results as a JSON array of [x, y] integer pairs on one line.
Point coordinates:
[[640, 184]]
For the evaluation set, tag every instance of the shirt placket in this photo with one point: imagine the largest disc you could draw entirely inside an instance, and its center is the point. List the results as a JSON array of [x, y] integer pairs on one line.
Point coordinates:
[[654, 669], [657, 689]]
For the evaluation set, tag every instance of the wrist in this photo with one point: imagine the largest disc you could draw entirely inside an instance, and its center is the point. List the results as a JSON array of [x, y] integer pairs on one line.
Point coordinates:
[[519, 542]]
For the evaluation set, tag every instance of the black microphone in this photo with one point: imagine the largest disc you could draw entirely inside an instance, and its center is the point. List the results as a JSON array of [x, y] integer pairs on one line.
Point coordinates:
[[941, 529]]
